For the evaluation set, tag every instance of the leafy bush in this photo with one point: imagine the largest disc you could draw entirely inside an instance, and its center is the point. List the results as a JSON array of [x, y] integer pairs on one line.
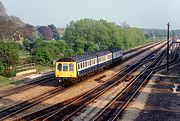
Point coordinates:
[[9, 52], [1, 68], [44, 55], [10, 73], [82, 36], [45, 52]]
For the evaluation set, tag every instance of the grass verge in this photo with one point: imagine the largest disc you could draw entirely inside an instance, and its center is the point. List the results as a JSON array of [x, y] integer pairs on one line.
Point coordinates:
[[42, 69], [4, 81]]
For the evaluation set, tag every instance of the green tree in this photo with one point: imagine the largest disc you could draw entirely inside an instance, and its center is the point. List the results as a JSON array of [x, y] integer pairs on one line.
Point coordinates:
[[102, 35], [44, 52], [2, 69], [42, 56], [9, 52], [56, 35]]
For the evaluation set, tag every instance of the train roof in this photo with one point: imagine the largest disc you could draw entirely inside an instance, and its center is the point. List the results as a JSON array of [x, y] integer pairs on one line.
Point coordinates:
[[114, 49], [101, 53], [86, 56], [78, 58], [83, 57]]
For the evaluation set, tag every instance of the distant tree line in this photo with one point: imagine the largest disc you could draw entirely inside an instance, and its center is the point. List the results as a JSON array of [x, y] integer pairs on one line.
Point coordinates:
[[90, 35], [150, 33], [49, 32], [12, 28], [81, 36]]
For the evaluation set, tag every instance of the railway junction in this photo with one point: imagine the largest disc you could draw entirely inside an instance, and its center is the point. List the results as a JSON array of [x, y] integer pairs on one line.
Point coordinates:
[[139, 88]]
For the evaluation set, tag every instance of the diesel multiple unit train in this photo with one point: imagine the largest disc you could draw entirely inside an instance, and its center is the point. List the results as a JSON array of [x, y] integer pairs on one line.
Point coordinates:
[[75, 68]]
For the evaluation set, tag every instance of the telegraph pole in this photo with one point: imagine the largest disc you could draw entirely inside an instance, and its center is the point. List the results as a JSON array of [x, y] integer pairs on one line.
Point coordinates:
[[168, 47], [173, 36]]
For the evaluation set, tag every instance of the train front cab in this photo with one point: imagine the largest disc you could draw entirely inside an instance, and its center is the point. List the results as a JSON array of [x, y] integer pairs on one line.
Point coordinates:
[[65, 70]]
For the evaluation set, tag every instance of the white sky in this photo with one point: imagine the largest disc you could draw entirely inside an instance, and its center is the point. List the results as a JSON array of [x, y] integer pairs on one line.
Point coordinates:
[[137, 13]]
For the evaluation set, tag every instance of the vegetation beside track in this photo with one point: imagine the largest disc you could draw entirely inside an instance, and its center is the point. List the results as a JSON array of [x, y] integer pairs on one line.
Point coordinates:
[[88, 36], [41, 68], [4, 81]]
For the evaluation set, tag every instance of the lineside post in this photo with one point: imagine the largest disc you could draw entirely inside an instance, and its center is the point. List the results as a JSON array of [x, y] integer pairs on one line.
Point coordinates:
[[168, 47]]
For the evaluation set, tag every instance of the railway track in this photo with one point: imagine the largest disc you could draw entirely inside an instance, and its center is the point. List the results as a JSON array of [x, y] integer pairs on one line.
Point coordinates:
[[8, 112], [76, 112], [114, 109], [116, 106], [174, 60], [83, 99], [15, 109], [139, 51], [135, 49], [12, 110], [51, 76], [27, 85], [59, 107]]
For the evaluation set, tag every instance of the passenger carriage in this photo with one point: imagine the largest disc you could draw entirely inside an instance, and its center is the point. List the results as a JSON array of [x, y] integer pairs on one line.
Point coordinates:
[[117, 55], [82, 65], [104, 58]]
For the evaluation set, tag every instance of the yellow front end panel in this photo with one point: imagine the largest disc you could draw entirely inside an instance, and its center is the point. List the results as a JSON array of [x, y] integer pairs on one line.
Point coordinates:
[[68, 72]]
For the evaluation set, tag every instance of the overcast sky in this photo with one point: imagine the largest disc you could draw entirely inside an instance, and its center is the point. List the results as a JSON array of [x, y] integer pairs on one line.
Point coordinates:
[[137, 13]]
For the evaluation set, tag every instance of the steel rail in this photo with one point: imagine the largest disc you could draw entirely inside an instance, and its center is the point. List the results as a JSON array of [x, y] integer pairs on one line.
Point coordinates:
[[26, 86], [60, 113], [137, 90], [106, 109]]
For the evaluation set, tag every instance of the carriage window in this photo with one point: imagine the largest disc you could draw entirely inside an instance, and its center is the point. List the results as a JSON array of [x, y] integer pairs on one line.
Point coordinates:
[[71, 67], [65, 67], [100, 59], [86, 64], [78, 65], [104, 58], [81, 65], [59, 67]]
